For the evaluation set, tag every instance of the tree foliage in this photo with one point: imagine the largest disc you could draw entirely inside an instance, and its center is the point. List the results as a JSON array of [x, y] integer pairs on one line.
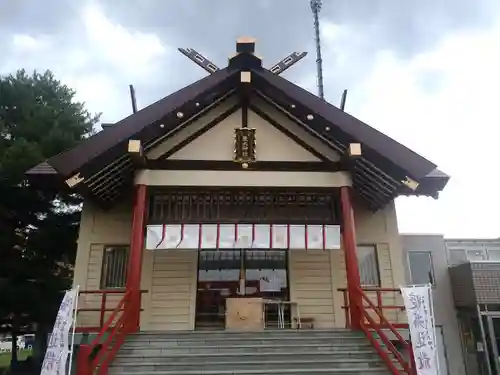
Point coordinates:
[[39, 118]]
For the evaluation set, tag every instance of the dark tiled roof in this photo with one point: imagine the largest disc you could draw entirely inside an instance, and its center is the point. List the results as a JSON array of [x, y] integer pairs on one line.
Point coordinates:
[[385, 163], [71, 160], [414, 164]]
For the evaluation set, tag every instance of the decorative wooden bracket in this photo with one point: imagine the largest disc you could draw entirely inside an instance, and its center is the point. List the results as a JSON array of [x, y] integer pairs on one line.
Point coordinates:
[[136, 153], [352, 153], [74, 180], [410, 183]]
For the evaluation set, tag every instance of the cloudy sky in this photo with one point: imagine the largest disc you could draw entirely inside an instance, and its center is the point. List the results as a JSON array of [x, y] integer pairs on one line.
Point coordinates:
[[425, 72]]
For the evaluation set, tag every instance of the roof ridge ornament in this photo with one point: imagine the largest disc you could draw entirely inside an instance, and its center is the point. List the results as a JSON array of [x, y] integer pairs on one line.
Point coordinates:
[[244, 46]]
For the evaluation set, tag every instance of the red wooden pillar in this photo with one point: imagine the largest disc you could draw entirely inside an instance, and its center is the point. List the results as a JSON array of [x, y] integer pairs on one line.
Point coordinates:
[[83, 365], [135, 258], [351, 258]]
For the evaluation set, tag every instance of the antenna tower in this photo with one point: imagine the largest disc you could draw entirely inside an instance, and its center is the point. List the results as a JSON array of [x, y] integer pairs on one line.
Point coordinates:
[[316, 7]]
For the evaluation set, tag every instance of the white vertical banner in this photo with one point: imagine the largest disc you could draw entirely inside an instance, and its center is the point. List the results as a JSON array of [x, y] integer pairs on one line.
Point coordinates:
[[420, 312], [58, 348]]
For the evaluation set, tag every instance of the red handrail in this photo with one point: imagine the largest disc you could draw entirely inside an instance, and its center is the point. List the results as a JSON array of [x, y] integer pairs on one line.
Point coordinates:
[[395, 352], [372, 325], [99, 354], [379, 305], [105, 356], [102, 309]]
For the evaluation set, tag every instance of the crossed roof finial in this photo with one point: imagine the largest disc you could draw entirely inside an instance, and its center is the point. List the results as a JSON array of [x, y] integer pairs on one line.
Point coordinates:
[[243, 45]]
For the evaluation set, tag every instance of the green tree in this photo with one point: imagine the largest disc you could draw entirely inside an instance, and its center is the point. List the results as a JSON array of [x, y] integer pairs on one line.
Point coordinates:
[[39, 118]]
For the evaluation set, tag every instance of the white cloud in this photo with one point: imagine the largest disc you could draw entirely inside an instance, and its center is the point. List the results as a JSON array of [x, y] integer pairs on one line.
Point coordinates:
[[27, 43], [132, 52], [454, 124], [441, 103], [99, 63]]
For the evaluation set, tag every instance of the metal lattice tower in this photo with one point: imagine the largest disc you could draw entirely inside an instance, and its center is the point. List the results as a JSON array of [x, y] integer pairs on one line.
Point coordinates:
[[316, 7]]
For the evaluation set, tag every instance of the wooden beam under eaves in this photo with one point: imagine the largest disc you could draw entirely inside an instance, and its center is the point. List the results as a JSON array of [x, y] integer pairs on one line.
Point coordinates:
[[227, 165], [136, 153]]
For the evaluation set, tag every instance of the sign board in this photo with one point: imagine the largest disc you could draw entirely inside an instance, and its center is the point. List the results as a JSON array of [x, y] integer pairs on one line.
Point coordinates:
[[58, 348], [270, 284], [418, 304], [244, 145]]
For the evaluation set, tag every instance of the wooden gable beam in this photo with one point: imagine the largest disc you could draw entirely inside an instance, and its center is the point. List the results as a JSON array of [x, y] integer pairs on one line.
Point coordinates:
[[244, 93], [229, 165]]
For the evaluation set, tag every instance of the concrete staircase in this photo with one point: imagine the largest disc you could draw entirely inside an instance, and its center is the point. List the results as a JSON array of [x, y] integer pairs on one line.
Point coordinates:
[[336, 352]]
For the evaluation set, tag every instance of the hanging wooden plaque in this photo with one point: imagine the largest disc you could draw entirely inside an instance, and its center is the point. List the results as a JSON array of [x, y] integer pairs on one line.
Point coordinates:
[[244, 145]]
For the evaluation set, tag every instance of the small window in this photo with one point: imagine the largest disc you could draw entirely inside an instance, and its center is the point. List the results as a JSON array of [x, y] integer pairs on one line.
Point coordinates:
[[368, 265], [421, 270], [457, 256], [494, 255], [114, 267], [476, 255]]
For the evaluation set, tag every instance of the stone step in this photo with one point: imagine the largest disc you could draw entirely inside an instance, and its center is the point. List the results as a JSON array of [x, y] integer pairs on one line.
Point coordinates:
[[217, 364], [256, 337], [294, 346], [261, 358], [228, 343], [294, 371], [202, 335], [292, 352], [316, 331]]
